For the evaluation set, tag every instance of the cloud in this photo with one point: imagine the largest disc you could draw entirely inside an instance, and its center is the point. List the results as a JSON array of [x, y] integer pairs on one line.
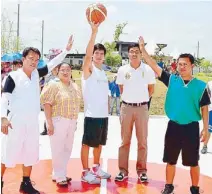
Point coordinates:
[[111, 9]]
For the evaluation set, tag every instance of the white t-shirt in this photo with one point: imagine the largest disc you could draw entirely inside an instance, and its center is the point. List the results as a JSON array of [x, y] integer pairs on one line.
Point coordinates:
[[210, 88], [95, 91], [135, 82]]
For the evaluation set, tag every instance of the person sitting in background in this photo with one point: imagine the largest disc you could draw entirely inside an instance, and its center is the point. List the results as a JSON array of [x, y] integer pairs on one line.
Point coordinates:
[[61, 101], [115, 96]]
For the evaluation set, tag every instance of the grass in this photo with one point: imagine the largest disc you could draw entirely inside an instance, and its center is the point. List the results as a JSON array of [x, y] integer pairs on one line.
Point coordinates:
[[158, 99]]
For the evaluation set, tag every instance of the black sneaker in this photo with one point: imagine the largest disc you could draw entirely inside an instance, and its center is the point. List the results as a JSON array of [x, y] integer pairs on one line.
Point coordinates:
[[169, 188], [2, 184], [27, 188], [143, 178], [194, 190], [121, 177]]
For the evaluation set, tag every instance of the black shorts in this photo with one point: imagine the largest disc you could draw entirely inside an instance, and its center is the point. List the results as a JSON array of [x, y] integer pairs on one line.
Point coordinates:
[[95, 131], [185, 138]]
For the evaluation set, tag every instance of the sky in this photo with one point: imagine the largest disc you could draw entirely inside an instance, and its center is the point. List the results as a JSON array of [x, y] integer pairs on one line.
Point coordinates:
[[179, 24]]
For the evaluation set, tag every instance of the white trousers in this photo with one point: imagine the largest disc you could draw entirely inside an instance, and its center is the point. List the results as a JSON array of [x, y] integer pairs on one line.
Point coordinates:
[[21, 145], [61, 146]]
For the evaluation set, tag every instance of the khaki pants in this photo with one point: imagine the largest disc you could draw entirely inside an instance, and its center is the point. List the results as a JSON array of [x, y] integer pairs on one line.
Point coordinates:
[[130, 115]]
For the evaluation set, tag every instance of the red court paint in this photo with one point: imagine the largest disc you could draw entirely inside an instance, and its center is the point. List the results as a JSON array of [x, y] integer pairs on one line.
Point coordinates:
[[41, 175]]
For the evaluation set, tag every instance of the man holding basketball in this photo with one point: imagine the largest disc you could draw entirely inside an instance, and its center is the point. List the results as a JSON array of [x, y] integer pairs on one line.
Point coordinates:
[[95, 94]]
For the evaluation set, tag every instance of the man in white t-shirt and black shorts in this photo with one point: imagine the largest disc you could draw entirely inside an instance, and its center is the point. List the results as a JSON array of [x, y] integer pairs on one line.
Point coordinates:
[[95, 94]]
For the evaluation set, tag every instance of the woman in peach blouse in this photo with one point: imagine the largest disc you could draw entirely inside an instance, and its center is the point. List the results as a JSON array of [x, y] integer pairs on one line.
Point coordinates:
[[61, 101]]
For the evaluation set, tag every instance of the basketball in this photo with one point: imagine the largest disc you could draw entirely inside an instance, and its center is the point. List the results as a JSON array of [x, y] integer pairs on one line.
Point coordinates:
[[96, 13]]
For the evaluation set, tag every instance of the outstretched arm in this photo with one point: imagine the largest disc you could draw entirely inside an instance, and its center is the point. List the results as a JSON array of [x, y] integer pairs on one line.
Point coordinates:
[[57, 60], [151, 62], [87, 69]]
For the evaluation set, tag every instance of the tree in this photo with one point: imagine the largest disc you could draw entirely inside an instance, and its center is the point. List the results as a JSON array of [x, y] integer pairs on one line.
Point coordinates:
[[9, 41], [119, 31], [112, 58], [206, 65], [198, 62]]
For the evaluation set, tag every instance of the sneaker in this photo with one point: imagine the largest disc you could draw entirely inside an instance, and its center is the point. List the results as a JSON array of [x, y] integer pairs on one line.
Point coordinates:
[[204, 149], [143, 178], [194, 190], [90, 178], [121, 177], [68, 179], [27, 188], [2, 184], [100, 173], [169, 188]]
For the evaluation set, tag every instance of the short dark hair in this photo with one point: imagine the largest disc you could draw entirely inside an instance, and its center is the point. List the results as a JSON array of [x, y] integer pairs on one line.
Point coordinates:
[[100, 47], [187, 55], [18, 61], [28, 49], [133, 45], [63, 63]]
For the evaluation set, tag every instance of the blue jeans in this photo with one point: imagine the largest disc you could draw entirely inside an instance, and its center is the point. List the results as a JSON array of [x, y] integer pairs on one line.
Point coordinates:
[[113, 101]]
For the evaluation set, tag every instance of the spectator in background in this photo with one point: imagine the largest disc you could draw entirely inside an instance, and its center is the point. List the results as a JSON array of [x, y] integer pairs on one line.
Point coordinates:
[[16, 65], [52, 76], [205, 147], [161, 63], [115, 96], [174, 66]]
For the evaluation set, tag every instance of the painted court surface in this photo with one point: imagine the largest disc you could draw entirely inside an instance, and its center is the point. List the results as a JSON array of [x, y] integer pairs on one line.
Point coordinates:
[[41, 173]]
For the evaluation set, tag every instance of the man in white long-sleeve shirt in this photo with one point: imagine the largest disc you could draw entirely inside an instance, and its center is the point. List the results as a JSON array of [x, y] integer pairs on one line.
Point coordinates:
[[20, 142]]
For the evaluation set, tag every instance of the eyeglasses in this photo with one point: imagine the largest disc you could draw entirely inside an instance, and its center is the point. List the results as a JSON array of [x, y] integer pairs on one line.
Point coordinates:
[[65, 70], [134, 52]]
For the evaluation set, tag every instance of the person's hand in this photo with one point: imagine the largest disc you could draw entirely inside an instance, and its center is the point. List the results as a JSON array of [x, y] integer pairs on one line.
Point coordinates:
[[70, 43], [4, 125], [94, 27], [50, 130], [141, 43], [204, 135]]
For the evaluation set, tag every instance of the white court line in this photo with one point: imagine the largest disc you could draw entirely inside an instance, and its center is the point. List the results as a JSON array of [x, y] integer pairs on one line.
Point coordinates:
[[103, 186]]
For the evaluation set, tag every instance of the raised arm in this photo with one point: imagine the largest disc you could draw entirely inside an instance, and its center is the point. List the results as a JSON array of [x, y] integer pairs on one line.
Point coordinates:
[[151, 62], [87, 69], [57, 60]]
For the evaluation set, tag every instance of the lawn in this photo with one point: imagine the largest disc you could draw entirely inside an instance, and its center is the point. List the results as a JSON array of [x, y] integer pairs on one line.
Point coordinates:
[[157, 104]]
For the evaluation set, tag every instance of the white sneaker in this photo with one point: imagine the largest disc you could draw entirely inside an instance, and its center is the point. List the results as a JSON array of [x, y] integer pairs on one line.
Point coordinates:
[[100, 173], [90, 178]]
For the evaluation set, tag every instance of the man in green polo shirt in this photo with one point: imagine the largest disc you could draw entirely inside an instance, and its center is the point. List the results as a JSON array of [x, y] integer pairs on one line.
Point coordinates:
[[186, 103]]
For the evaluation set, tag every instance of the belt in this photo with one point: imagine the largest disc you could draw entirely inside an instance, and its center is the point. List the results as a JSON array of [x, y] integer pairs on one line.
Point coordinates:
[[135, 104]]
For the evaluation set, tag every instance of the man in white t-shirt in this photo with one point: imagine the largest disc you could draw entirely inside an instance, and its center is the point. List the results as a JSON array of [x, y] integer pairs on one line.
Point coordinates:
[[205, 146], [95, 94], [136, 81]]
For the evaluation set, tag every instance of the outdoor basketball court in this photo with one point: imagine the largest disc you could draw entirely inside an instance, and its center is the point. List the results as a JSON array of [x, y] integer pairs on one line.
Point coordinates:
[[41, 173]]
